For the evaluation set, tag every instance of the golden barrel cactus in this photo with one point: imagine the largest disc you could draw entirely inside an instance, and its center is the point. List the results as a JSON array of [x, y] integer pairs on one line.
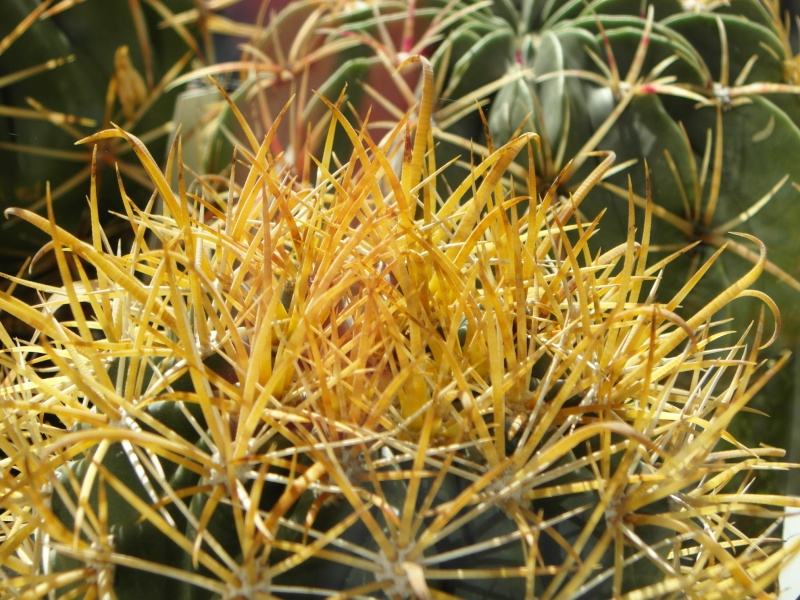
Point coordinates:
[[354, 387]]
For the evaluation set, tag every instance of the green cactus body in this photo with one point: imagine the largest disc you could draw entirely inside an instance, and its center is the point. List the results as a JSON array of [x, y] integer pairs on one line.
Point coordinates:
[[128, 533], [25, 174], [693, 64]]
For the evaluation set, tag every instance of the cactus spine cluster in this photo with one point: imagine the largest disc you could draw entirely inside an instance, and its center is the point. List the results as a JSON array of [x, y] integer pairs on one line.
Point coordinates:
[[699, 97]]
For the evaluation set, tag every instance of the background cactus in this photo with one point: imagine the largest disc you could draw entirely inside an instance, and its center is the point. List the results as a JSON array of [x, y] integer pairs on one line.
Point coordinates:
[[70, 68], [704, 93], [715, 121], [320, 392]]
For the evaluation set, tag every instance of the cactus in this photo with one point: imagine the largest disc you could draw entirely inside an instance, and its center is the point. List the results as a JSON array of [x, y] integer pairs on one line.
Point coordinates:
[[703, 94], [350, 386], [660, 83], [68, 69], [706, 95]]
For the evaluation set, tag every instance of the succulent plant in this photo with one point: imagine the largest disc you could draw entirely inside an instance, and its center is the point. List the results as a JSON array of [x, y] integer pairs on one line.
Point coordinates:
[[70, 68], [704, 93], [703, 96], [659, 83], [347, 385]]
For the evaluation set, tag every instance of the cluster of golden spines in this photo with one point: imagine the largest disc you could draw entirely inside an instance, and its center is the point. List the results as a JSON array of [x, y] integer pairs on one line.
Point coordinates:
[[346, 336]]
